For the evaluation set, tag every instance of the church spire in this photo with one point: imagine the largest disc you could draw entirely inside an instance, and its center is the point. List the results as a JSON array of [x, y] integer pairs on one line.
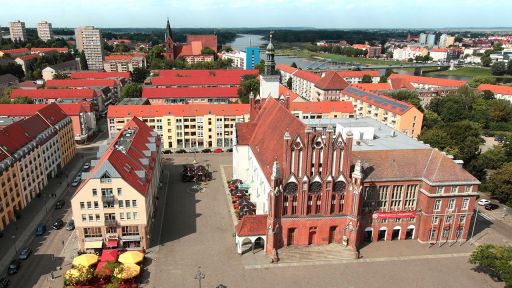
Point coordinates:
[[168, 32], [270, 63]]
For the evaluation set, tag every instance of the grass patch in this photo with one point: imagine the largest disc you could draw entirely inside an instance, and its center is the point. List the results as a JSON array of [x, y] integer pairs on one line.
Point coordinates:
[[335, 57], [465, 71]]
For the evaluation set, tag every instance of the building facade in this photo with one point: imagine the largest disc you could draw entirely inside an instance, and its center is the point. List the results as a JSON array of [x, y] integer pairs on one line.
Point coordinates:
[[18, 31], [45, 31], [90, 41], [116, 203], [123, 63]]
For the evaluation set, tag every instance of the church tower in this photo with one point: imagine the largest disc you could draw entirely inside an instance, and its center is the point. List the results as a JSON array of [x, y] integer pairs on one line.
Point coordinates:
[[169, 43], [269, 81]]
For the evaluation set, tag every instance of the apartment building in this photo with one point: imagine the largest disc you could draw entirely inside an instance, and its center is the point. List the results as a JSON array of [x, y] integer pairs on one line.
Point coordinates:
[[90, 41], [18, 31], [116, 202], [45, 31], [322, 110], [62, 95], [32, 150], [190, 127], [214, 95], [200, 78], [399, 115], [110, 89], [409, 52], [123, 62]]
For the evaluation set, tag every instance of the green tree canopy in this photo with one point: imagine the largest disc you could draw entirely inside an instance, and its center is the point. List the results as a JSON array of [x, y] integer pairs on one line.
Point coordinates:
[[500, 184], [22, 100], [60, 76], [475, 82], [249, 85], [131, 90], [140, 74], [486, 60], [499, 68], [494, 260], [83, 61], [121, 48], [366, 78], [289, 83]]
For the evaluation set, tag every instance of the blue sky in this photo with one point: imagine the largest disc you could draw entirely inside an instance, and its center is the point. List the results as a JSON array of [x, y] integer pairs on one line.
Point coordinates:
[[258, 13]]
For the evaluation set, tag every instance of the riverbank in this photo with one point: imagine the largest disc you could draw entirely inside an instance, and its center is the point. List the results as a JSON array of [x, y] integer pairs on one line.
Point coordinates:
[[464, 72], [333, 57]]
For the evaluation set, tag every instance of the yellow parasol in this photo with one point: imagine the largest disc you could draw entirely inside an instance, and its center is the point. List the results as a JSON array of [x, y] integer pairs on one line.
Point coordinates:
[[131, 257], [72, 273], [85, 260], [127, 271]]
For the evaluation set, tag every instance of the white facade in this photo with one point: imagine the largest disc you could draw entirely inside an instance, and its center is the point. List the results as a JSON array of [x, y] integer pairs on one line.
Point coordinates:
[[269, 86], [237, 57], [17, 31], [124, 65], [404, 54], [90, 41], [51, 156], [44, 30], [439, 55]]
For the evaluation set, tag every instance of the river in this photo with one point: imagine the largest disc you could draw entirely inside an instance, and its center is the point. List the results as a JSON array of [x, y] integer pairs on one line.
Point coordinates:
[[250, 40]]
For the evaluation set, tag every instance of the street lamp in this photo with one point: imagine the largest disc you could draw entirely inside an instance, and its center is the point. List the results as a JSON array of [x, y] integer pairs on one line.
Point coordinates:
[[199, 276], [15, 248]]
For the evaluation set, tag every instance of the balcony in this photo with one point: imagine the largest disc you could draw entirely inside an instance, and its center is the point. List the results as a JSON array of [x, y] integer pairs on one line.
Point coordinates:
[[110, 222], [107, 198]]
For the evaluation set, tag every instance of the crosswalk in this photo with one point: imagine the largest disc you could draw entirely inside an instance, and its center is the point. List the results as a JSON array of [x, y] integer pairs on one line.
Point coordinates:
[[491, 216]]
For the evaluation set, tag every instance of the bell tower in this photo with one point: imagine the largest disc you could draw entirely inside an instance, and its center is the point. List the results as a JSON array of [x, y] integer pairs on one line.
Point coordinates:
[[269, 81], [169, 43]]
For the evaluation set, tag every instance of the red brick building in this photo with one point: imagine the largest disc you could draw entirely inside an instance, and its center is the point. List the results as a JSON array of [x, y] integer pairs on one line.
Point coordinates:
[[192, 50], [347, 181]]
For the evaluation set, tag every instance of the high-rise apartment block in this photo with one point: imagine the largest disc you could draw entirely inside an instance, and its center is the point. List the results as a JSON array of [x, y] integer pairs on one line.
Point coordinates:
[[89, 40], [17, 31], [44, 30]]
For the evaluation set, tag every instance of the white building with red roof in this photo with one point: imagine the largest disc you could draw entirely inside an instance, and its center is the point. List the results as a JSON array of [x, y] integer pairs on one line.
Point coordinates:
[[116, 202], [439, 54], [500, 91], [124, 62]]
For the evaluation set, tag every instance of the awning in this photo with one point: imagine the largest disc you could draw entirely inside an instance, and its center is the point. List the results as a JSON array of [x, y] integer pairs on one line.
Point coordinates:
[[93, 244], [112, 243], [131, 238]]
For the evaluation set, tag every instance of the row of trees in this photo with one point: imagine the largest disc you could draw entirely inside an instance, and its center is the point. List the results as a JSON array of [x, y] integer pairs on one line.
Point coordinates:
[[346, 51], [501, 68], [32, 42]]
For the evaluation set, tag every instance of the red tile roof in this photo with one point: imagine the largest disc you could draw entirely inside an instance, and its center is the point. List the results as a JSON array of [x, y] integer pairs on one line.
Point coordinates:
[[217, 92], [130, 161], [497, 89], [206, 40], [16, 51], [442, 50], [267, 131], [29, 57], [331, 81], [286, 68], [323, 107], [182, 110], [81, 83], [428, 80], [429, 164], [361, 46], [308, 76], [252, 225], [54, 93], [52, 113], [373, 86], [61, 49], [99, 75], [381, 101], [358, 74], [199, 80], [283, 90], [206, 73]]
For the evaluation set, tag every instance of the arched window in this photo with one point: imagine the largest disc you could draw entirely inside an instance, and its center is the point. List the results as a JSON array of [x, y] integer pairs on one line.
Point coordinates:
[[285, 205], [294, 204], [315, 187], [310, 204], [339, 187], [291, 188], [318, 204]]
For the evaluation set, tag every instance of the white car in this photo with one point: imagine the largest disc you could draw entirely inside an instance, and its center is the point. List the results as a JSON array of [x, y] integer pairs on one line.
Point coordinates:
[[75, 183], [87, 166], [483, 202]]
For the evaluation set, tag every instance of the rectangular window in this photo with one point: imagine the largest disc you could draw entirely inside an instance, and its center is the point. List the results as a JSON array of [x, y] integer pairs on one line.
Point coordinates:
[[432, 234], [410, 197], [134, 203], [437, 205], [135, 215], [127, 203], [128, 215], [448, 219], [84, 218], [435, 219], [91, 217], [383, 197], [440, 189], [96, 205], [119, 191], [120, 202], [468, 188], [89, 205], [396, 197], [451, 204], [121, 215], [465, 204], [94, 193], [97, 217], [453, 189], [462, 219], [82, 205]]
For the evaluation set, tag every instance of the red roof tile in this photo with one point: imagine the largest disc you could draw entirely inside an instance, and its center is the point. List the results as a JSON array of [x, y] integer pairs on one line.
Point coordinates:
[[217, 92], [252, 225], [286, 68], [29, 57], [198, 80], [323, 107], [331, 81], [16, 51], [373, 86], [54, 93], [308, 76], [428, 80], [442, 50], [99, 75], [497, 89], [358, 74], [60, 49], [283, 90], [206, 40], [206, 73], [81, 83], [378, 100], [118, 111]]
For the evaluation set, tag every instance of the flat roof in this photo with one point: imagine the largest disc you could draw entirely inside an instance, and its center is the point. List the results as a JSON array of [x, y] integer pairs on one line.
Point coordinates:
[[383, 138]]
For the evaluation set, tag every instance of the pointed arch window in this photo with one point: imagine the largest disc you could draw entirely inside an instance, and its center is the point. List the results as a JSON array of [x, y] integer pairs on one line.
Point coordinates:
[[318, 204], [339, 187], [291, 188], [315, 187]]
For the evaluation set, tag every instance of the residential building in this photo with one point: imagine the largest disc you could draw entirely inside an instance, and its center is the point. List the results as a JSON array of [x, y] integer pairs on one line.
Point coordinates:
[[439, 54], [423, 39], [82, 116], [44, 31], [409, 52], [322, 110], [243, 59], [116, 202], [431, 40], [32, 150], [192, 51], [329, 87], [191, 126], [90, 41], [122, 77], [110, 89], [399, 115], [303, 82], [63, 68], [345, 181], [192, 59], [123, 62], [400, 81], [354, 77], [18, 31], [15, 52], [216, 95], [446, 41], [25, 60], [500, 91]]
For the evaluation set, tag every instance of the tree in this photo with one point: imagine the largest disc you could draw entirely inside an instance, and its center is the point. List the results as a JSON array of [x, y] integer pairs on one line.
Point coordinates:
[[121, 48], [60, 76], [507, 147], [294, 65], [247, 86], [509, 67], [494, 260], [499, 68], [409, 96], [475, 82], [131, 90], [209, 51], [486, 60], [84, 274], [436, 138], [5, 100], [289, 83], [228, 49], [12, 68], [500, 110], [140, 74], [366, 79], [430, 120], [498, 46], [500, 184], [22, 100], [487, 95], [155, 53], [260, 66], [83, 61]]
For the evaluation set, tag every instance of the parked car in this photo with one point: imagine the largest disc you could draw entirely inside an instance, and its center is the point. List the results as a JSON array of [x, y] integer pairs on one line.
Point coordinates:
[[181, 151], [75, 183], [206, 150], [24, 254], [58, 224], [59, 204], [229, 150], [4, 282], [491, 206], [70, 225], [483, 202], [14, 266], [87, 166], [218, 150], [167, 152], [40, 229]]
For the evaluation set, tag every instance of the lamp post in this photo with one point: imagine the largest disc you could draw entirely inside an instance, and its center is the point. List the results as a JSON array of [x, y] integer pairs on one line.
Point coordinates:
[[15, 248], [199, 276]]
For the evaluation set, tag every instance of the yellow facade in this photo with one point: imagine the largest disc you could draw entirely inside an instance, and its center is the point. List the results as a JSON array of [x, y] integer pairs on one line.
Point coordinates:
[[10, 195], [67, 144]]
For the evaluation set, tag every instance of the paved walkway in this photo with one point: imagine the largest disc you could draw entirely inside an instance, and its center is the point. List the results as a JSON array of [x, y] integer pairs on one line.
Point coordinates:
[[21, 231]]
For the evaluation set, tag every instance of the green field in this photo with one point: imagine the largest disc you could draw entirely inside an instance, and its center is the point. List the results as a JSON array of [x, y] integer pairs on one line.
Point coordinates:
[[465, 71], [335, 57]]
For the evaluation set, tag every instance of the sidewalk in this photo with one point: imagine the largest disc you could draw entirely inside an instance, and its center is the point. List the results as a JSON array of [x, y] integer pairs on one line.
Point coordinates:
[[22, 230]]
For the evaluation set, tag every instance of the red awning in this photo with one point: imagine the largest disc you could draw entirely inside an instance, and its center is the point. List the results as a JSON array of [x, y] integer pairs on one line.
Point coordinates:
[[112, 243], [100, 266], [109, 255]]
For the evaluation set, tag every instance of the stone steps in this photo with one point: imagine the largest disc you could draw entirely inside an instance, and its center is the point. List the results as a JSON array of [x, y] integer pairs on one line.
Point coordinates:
[[332, 252]]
